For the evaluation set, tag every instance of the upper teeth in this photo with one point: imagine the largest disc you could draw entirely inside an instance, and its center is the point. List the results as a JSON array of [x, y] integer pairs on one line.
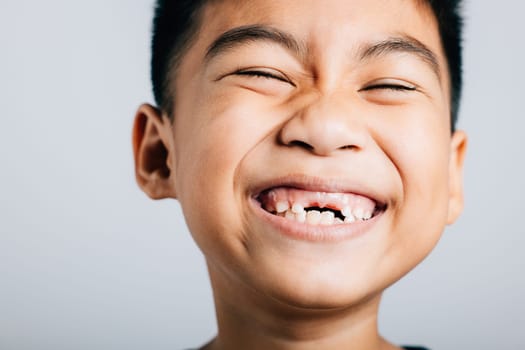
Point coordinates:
[[297, 208], [281, 207], [315, 217]]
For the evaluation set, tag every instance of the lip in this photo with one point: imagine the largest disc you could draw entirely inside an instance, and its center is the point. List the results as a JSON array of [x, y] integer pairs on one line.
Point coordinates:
[[317, 233], [318, 184]]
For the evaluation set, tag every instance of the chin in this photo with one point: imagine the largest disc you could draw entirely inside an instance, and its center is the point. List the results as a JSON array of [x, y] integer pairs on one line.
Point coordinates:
[[317, 289]]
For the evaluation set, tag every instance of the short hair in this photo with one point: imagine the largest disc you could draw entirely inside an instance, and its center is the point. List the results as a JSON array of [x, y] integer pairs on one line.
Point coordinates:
[[176, 22]]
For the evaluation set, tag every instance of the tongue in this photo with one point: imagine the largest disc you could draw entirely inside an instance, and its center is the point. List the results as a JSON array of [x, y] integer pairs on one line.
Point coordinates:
[[292, 196]]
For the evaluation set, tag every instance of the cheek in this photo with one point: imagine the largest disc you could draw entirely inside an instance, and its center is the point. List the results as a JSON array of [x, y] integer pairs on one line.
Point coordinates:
[[236, 122], [423, 166], [416, 140], [211, 146], [227, 133], [418, 147]]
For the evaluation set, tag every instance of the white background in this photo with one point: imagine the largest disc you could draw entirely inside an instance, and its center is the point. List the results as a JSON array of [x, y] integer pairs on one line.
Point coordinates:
[[88, 262]]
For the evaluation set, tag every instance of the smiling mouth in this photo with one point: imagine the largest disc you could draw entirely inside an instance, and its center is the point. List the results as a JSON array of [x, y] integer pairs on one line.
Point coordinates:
[[319, 208]]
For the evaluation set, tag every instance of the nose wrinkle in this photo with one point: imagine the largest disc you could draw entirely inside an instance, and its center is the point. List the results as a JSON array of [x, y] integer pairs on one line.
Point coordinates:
[[323, 128]]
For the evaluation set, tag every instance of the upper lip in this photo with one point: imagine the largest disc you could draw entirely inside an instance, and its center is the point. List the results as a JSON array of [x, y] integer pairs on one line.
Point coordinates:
[[321, 184]]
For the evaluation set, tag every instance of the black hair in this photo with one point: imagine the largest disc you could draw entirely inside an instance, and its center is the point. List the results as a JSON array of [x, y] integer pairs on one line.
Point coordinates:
[[450, 25], [176, 22]]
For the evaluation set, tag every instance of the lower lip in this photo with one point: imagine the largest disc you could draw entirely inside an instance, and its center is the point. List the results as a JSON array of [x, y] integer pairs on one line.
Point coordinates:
[[315, 233]]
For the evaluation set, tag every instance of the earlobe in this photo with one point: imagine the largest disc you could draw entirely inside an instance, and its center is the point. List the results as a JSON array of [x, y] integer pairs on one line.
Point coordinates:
[[152, 149], [458, 148]]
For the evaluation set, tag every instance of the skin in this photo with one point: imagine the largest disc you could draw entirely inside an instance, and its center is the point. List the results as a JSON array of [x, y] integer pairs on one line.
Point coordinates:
[[324, 117]]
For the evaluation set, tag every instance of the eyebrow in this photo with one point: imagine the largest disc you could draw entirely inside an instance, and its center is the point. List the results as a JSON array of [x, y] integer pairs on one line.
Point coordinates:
[[401, 44], [254, 33], [243, 35]]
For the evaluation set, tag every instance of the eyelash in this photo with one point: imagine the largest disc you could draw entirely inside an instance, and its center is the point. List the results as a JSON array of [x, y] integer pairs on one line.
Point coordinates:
[[394, 87]]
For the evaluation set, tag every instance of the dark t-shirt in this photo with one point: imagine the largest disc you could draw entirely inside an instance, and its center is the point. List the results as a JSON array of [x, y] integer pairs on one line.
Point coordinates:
[[404, 347]]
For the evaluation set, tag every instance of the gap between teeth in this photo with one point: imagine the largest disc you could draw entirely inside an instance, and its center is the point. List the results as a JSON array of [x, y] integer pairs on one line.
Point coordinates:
[[315, 217]]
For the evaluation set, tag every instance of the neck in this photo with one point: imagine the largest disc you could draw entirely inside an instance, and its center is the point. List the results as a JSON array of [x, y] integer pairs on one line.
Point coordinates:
[[248, 320]]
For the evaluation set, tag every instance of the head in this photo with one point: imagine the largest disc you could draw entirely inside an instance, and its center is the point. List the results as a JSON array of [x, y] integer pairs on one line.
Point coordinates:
[[271, 112]]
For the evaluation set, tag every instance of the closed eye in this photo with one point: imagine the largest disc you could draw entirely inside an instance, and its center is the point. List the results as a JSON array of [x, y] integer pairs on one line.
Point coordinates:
[[394, 87], [264, 74]]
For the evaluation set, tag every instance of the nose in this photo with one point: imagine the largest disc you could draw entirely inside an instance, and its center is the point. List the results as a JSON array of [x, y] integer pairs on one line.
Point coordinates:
[[325, 127]]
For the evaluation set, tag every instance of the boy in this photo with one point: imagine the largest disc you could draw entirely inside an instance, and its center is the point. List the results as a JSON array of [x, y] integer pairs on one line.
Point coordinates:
[[311, 145]]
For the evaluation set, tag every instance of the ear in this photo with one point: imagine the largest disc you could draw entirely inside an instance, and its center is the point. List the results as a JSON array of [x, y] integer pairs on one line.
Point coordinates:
[[153, 151], [458, 148]]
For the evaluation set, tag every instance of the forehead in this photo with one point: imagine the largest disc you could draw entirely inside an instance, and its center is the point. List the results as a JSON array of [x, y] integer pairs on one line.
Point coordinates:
[[321, 20]]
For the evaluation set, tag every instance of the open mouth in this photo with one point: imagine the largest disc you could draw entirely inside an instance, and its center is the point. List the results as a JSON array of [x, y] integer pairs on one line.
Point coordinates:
[[319, 208]]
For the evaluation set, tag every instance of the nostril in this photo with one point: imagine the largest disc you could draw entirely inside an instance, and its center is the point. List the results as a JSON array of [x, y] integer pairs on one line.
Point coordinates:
[[349, 147], [301, 144]]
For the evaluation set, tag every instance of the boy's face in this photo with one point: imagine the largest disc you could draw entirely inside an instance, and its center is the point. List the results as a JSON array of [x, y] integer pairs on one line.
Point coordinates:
[[334, 103]]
